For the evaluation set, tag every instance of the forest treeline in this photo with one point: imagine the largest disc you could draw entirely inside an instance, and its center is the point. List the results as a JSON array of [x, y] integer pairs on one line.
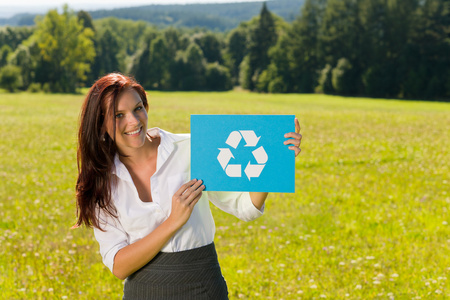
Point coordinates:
[[375, 48], [213, 16]]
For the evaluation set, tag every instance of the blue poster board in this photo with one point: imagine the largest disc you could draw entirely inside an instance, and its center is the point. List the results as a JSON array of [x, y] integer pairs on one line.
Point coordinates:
[[243, 152]]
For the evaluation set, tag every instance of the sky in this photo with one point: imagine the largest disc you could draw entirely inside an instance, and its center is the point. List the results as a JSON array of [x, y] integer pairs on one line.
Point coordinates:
[[8, 8]]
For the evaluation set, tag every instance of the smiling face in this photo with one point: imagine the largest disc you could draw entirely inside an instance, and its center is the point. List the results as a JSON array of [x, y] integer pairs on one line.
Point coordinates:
[[131, 122]]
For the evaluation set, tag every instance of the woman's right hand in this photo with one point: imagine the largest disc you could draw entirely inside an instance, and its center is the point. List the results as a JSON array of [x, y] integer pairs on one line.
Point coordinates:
[[131, 258], [184, 200]]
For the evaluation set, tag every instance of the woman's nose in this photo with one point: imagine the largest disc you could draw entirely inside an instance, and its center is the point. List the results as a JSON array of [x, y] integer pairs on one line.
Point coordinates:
[[133, 119]]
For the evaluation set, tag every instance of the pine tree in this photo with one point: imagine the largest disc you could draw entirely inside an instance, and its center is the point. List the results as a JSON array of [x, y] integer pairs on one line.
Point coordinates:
[[235, 52], [85, 19], [428, 58], [107, 49], [302, 49], [159, 63], [340, 38], [262, 37]]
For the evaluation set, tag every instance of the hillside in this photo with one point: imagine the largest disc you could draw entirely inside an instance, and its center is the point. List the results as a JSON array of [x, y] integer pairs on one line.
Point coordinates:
[[218, 17]]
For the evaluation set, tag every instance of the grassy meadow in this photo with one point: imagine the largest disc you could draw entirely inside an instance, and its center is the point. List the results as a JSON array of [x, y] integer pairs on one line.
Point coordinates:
[[369, 219]]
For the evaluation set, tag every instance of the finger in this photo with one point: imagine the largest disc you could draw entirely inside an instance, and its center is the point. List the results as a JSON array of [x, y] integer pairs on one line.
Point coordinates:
[[297, 150], [192, 188], [297, 125], [185, 186], [195, 194], [196, 199], [293, 135], [294, 142]]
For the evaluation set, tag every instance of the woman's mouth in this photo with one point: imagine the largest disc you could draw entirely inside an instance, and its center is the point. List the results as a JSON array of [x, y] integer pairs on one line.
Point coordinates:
[[135, 132]]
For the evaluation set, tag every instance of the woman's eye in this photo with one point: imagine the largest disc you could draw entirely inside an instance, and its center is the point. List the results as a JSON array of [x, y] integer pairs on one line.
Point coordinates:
[[139, 108], [118, 116]]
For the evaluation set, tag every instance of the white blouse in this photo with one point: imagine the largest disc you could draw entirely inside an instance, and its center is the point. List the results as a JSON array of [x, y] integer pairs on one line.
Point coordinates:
[[136, 219]]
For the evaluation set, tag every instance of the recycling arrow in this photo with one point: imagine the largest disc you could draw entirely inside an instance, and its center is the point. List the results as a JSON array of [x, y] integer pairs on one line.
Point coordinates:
[[253, 170], [224, 157], [233, 170], [233, 139], [250, 138], [260, 155]]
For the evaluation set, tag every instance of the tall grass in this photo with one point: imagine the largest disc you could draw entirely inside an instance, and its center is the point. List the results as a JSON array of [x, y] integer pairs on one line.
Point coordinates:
[[369, 219]]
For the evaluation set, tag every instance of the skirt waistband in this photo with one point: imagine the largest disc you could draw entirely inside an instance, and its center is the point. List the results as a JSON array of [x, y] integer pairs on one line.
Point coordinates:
[[184, 260]]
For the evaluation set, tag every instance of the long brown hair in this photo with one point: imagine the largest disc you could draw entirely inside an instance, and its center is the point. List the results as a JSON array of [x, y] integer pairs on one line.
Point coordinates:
[[96, 149]]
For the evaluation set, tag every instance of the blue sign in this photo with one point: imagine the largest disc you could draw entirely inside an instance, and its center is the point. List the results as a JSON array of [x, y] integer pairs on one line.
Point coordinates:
[[243, 152]]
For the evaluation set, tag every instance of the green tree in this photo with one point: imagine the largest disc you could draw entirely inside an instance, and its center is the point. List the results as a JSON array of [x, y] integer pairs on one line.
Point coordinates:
[[271, 81], [5, 51], [262, 37], [426, 61], [236, 49], [130, 34], [340, 36], [187, 73], [85, 19], [280, 68], [141, 62], [195, 66], [23, 59], [296, 54], [65, 50], [245, 75], [342, 77], [160, 61], [14, 36], [401, 22], [325, 81], [303, 48], [107, 52], [172, 39], [10, 78], [210, 45], [379, 73], [379, 80], [217, 77]]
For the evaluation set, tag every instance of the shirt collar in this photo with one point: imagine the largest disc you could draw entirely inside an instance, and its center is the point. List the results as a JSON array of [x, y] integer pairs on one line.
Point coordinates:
[[165, 149]]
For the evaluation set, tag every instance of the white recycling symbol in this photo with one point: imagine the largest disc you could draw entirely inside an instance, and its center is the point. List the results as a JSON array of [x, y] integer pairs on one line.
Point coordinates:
[[251, 170]]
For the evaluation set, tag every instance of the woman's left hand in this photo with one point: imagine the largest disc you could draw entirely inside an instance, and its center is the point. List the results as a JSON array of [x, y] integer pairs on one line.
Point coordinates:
[[296, 138]]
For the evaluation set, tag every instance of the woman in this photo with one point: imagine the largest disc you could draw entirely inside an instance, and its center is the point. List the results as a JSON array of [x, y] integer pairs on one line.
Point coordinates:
[[153, 224]]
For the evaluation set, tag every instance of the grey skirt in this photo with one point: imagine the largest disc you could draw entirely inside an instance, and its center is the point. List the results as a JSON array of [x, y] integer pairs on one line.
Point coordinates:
[[191, 274]]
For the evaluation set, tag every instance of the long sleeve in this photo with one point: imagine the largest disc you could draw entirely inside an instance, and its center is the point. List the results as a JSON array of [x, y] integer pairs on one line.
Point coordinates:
[[236, 203]]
